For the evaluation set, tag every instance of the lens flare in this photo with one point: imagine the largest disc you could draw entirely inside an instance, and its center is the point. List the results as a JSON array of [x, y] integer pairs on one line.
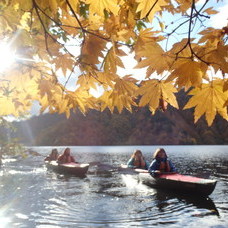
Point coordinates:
[[7, 57]]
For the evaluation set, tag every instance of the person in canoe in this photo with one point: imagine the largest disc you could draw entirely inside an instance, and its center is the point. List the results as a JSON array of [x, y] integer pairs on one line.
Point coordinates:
[[66, 157], [160, 163], [53, 156], [137, 161]]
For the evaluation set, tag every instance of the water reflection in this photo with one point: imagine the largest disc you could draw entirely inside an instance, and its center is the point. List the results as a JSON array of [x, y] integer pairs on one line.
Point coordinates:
[[198, 202]]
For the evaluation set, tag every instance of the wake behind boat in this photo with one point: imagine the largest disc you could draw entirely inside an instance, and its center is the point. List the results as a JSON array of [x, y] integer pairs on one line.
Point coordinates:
[[72, 168], [174, 181]]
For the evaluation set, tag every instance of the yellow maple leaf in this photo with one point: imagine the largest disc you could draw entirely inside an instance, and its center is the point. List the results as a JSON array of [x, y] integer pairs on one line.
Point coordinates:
[[92, 49], [7, 107], [105, 101], [53, 4], [210, 11], [13, 101], [153, 90], [145, 37], [73, 3], [79, 99], [121, 97], [184, 5], [45, 87], [10, 12], [49, 6], [63, 106], [189, 73], [180, 50], [44, 103], [218, 57], [64, 62], [95, 22], [53, 46], [148, 8], [21, 80], [40, 47], [87, 81], [106, 79], [25, 21], [24, 5], [125, 86], [112, 60], [126, 15], [208, 100], [225, 86], [98, 6], [70, 24], [212, 36], [153, 57]]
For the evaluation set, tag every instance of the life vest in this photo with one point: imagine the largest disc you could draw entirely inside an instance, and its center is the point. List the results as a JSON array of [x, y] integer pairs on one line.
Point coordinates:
[[164, 166], [139, 164]]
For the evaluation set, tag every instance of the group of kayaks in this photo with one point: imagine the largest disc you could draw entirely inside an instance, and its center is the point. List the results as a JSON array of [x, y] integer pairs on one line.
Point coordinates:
[[169, 181]]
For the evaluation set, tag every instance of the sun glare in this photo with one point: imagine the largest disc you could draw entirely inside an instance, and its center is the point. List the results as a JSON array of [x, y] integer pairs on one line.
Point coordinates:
[[7, 57]]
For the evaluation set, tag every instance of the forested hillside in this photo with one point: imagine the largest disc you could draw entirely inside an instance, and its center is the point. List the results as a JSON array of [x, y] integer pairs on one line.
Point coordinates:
[[140, 127]]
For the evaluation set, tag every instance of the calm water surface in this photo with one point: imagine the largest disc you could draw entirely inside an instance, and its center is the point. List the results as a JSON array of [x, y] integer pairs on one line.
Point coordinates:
[[32, 196]]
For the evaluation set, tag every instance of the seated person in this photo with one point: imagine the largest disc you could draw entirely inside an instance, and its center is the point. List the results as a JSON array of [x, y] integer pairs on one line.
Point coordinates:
[[137, 161], [160, 163], [52, 156], [66, 157]]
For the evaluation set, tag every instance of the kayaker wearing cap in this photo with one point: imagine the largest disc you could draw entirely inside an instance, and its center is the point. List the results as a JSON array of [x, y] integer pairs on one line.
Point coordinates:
[[137, 161], [160, 163], [66, 157]]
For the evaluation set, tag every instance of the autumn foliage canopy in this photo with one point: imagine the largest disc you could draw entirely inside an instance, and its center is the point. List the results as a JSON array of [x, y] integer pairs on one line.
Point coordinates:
[[89, 42]]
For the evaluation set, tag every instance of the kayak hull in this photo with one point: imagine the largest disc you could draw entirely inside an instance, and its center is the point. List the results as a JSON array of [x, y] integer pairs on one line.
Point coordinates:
[[76, 169], [178, 182], [173, 181]]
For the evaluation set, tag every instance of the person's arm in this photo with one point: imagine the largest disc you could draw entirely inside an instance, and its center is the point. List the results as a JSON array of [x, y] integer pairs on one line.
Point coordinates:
[[143, 163], [72, 159], [47, 158], [60, 159], [172, 167], [147, 164], [153, 168], [130, 163]]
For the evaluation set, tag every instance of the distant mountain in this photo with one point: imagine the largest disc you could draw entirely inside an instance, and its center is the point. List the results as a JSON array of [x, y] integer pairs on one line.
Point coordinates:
[[172, 127]]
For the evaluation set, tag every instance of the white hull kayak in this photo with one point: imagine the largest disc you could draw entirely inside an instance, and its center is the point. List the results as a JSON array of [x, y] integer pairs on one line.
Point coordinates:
[[68, 168]]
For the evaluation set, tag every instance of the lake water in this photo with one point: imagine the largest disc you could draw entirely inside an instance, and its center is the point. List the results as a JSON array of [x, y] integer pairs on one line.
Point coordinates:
[[32, 196]]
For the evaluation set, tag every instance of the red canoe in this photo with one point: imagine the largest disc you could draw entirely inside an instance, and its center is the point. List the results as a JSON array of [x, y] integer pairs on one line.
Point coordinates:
[[68, 168]]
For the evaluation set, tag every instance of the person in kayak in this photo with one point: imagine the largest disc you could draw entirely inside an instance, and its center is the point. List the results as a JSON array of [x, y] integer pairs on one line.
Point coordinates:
[[53, 156], [137, 161], [160, 163], [66, 157]]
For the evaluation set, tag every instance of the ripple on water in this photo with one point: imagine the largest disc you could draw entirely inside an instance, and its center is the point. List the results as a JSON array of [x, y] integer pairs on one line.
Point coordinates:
[[112, 208]]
